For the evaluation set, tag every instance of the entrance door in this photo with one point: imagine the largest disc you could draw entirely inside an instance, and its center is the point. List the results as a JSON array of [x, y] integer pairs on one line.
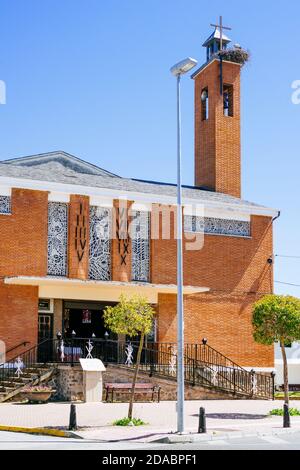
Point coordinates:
[[45, 331], [85, 318]]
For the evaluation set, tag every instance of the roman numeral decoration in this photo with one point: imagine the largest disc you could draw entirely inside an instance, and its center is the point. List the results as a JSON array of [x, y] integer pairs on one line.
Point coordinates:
[[80, 233], [122, 234]]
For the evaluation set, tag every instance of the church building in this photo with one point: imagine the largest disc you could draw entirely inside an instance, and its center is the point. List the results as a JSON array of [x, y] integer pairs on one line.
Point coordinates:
[[74, 237]]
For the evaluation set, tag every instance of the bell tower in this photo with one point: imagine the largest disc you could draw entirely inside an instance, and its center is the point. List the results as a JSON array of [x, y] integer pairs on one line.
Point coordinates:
[[217, 117]]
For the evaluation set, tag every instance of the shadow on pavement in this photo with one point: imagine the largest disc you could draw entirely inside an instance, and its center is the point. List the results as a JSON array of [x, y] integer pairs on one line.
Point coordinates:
[[234, 416]]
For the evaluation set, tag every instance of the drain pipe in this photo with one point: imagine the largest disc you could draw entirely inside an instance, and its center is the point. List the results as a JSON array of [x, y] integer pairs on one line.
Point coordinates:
[[276, 217]]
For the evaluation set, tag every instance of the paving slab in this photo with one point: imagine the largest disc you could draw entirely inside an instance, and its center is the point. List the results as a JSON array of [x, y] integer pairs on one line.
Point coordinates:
[[223, 417]]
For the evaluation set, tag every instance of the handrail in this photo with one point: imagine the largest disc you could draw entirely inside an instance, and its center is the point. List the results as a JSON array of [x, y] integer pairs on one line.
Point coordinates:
[[13, 359], [204, 365], [219, 354], [24, 343]]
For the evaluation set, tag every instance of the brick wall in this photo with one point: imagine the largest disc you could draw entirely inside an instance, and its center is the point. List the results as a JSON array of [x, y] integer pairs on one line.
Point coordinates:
[[18, 316], [231, 267], [23, 240], [224, 320], [217, 140], [23, 251]]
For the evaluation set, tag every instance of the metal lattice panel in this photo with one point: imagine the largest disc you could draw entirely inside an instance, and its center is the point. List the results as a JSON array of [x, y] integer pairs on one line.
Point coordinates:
[[100, 243], [57, 238], [193, 223], [5, 205], [212, 225], [140, 232]]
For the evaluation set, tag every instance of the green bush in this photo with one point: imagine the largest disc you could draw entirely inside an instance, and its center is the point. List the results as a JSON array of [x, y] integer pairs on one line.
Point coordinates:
[[129, 422], [291, 395], [279, 412]]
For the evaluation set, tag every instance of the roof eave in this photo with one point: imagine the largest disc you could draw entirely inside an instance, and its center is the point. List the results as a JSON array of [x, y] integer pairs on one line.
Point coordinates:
[[213, 59]]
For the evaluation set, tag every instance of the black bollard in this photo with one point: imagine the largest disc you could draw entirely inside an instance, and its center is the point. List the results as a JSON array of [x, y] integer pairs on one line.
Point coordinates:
[[202, 421], [286, 416], [73, 419]]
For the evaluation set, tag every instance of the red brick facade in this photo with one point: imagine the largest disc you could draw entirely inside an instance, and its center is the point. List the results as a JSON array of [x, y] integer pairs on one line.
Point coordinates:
[[23, 238], [23, 251], [217, 139], [229, 266]]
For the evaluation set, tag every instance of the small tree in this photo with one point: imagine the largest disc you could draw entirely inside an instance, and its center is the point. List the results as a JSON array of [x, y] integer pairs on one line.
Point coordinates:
[[131, 317], [277, 318]]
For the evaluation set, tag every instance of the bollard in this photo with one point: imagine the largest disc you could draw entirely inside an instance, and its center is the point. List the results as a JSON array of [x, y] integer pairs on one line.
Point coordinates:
[[73, 419], [286, 416], [202, 421]]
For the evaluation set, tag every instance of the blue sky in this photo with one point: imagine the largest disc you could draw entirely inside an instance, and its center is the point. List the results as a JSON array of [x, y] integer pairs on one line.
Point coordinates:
[[92, 78]]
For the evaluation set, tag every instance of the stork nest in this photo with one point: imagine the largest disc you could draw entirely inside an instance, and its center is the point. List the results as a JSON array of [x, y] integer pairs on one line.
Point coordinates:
[[236, 54]]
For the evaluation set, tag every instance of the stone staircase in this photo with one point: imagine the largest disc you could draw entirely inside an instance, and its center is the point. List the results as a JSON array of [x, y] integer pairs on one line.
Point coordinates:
[[11, 386]]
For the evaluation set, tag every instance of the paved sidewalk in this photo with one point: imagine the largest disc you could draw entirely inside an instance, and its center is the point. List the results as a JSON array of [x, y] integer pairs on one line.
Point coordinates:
[[224, 417]]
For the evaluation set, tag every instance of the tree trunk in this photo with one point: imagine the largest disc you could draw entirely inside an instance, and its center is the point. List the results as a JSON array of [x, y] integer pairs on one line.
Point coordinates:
[[285, 374], [137, 365]]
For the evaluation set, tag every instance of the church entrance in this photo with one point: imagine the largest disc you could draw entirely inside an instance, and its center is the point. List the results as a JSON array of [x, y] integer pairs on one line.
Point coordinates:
[[85, 319]]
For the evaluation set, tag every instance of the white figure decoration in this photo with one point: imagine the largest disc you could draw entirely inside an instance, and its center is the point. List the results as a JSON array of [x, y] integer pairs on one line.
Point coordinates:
[[62, 350], [129, 354], [89, 348], [173, 360], [214, 375], [254, 383], [19, 366]]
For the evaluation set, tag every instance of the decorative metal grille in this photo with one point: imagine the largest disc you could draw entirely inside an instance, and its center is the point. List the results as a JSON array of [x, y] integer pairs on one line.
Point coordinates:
[[57, 238], [140, 234], [5, 205], [212, 225], [100, 244]]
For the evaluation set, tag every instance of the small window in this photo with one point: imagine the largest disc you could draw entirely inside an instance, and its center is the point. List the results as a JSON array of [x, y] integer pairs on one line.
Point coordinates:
[[44, 305], [228, 100], [204, 104]]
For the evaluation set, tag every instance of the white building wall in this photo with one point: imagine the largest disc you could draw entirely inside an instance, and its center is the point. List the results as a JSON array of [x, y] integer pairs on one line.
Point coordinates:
[[293, 357]]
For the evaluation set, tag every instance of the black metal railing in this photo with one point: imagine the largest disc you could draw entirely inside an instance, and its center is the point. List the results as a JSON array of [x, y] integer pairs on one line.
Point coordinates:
[[17, 367], [24, 343], [203, 365], [216, 370]]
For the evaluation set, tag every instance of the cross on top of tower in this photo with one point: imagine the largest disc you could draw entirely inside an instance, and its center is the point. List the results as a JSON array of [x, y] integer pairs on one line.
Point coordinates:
[[220, 27], [217, 41]]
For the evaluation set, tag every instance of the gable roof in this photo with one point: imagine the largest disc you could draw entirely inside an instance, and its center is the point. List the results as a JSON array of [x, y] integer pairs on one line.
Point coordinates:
[[63, 168], [63, 158]]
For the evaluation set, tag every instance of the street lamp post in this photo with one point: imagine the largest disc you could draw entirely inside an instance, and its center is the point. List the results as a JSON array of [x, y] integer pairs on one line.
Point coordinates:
[[177, 70]]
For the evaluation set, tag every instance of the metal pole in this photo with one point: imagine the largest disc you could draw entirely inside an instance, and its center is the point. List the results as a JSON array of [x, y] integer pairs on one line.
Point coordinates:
[[202, 421], [180, 320]]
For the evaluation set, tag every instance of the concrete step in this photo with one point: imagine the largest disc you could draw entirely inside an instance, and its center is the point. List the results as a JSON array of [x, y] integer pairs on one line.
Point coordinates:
[[14, 385], [7, 387]]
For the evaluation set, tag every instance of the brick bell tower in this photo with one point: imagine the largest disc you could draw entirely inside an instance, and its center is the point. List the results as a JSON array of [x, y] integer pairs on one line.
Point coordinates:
[[217, 119]]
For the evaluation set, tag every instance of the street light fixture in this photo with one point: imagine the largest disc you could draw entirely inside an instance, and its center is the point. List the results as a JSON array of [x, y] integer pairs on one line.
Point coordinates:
[[177, 70]]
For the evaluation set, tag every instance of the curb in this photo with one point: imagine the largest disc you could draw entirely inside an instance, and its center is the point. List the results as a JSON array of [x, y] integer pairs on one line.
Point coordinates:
[[191, 438], [41, 431]]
